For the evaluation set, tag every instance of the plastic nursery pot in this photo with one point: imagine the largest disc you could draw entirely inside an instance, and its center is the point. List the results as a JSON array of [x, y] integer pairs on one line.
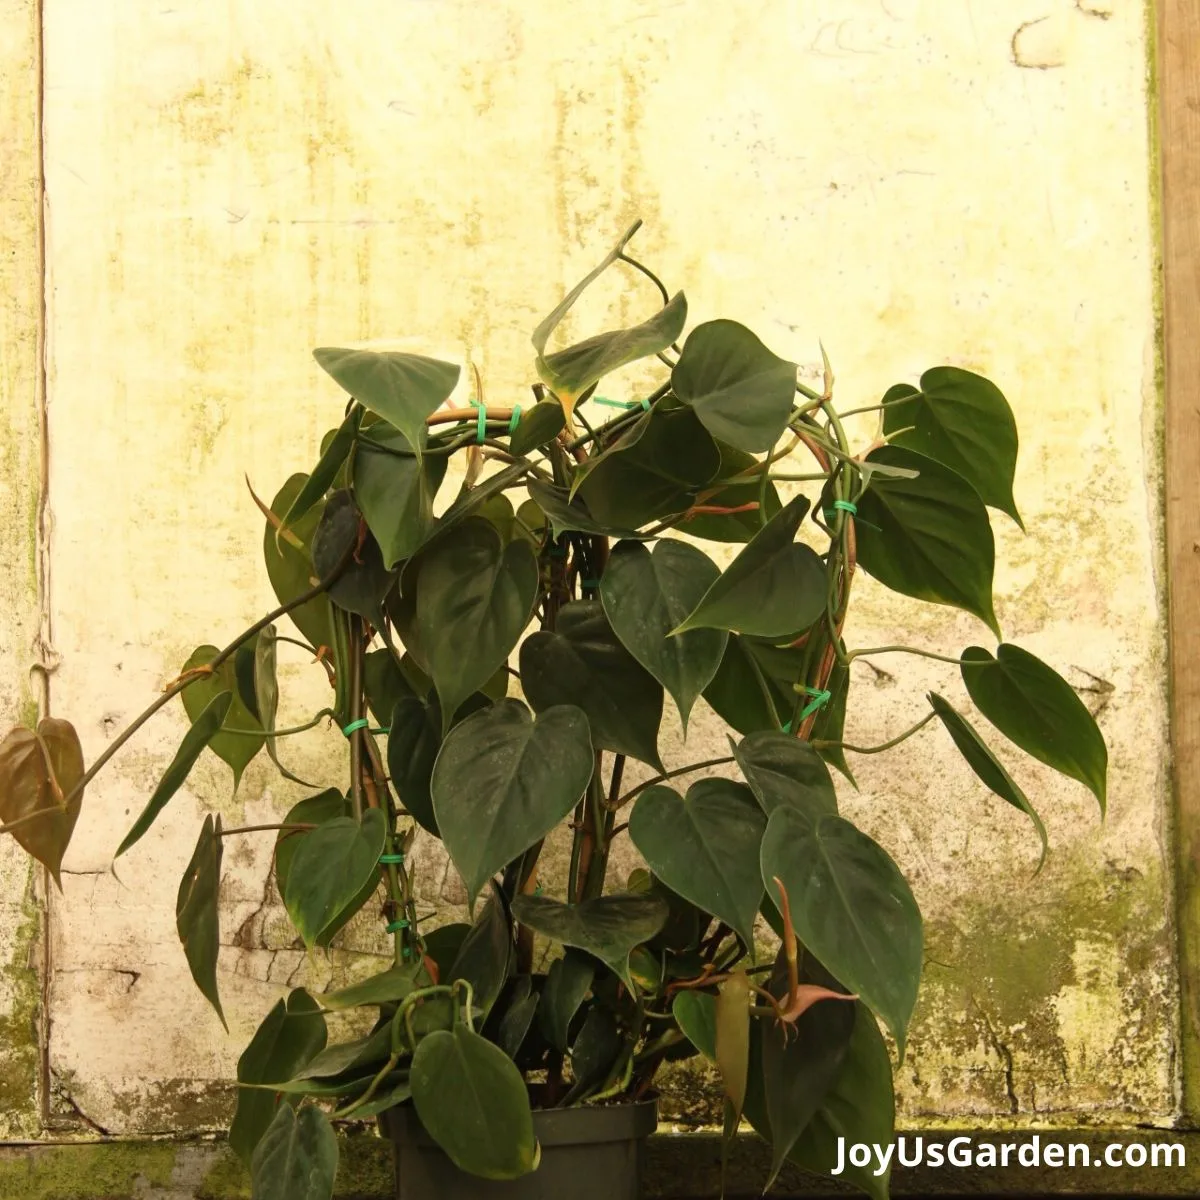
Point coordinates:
[[587, 1154]]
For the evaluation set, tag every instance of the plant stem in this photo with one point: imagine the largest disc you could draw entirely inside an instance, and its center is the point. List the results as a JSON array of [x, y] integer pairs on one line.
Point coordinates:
[[641, 787], [905, 650], [882, 745], [356, 707], [278, 733], [260, 828]]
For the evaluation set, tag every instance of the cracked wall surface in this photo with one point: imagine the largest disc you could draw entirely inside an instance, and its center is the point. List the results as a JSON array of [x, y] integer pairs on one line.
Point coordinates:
[[230, 187]]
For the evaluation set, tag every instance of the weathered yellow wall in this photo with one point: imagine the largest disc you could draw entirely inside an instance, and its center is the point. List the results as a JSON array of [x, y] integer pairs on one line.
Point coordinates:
[[914, 183]]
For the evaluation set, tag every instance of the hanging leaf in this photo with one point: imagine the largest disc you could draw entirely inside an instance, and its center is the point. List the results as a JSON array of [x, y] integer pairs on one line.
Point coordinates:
[[986, 765], [786, 772], [385, 988], [583, 663], [705, 847], [297, 1157], [568, 983], [396, 494], [774, 587], [503, 780], [474, 599], [596, 1049], [204, 727], [647, 594], [740, 390], [472, 1101], [485, 956], [402, 388], [608, 927], [752, 689], [1038, 710], [962, 421], [266, 694], [322, 477], [734, 526], [564, 514], [38, 771], [357, 1057], [333, 864], [732, 1043], [364, 580], [831, 720], [235, 749], [851, 907], [931, 537], [518, 1017], [197, 917], [412, 749], [386, 683], [290, 1035], [696, 1015], [538, 426]]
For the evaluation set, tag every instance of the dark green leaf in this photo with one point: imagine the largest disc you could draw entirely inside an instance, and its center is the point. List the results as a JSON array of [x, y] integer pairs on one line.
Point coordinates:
[[386, 684], [734, 526], [567, 984], [474, 599], [831, 721], [412, 749], [986, 765], [402, 388], [583, 663], [596, 1048], [786, 772], [443, 944], [645, 595], [485, 956], [364, 581], [233, 748], [334, 863], [387, 1097], [564, 514], [322, 477], [296, 1158], [472, 1101], [503, 780], [696, 1015], [851, 907], [962, 421], [538, 425], [197, 918], [345, 1058], [1038, 710], [518, 1017], [752, 689], [266, 694], [741, 391], [774, 587], [705, 847], [608, 927], [385, 988], [290, 1035], [197, 737], [931, 537]]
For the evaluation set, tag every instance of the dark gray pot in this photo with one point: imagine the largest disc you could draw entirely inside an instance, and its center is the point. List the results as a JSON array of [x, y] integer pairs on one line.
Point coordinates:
[[587, 1154]]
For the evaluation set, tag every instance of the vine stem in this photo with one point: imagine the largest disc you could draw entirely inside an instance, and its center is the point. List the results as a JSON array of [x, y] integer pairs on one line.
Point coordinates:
[[624, 799], [819, 744], [906, 650], [292, 826]]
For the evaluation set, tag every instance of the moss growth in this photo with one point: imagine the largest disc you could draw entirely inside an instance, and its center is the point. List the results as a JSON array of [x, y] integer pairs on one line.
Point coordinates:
[[115, 1171], [19, 1063]]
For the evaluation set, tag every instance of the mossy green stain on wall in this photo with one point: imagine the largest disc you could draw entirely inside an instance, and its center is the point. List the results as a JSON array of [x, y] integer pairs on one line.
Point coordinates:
[[19, 1037]]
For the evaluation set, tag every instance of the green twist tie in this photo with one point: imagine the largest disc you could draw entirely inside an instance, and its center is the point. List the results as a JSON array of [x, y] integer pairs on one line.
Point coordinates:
[[622, 403], [515, 419], [788, 727], [819, 700], [537, 891], [844, 505], [361, 723], [391, 858], [481, 422], [396, 926]]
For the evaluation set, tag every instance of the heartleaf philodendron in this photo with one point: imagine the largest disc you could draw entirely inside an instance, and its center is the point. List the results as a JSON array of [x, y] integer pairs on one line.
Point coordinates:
[[479, 673]]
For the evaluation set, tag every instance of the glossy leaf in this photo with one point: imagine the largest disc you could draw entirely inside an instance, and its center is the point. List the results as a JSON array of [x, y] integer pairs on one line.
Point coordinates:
[[472, 1101], [290, 1035], [1038, 710], [334, 863], [384, 988], [734, 526], [485, 957], [962, 421], [596, 1048], [752, 689], [197, 918], [786, 772], [518, 1017], [696, 1015], [396, 495], [197, 737], [931, 537], [583, 663], [775, 586], [608, 927], [402, 388], [565, 514], [851, 907], [645, 595], [538, 425], [323, 474], [567, 985], [364, 580], [705, 847], [503, 780], [38, 771], [296, 1159], [474, 599], [386, 683], [345, 1058], [233, 748], [412, 749], [740, 390], [986, 765]]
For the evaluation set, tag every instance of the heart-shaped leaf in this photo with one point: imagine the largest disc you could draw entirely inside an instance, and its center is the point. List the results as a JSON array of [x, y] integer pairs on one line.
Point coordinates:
[[931, 538], [583, 663], [963, 421], [503, 780], [1038, 710], [266, 694], [608, 927], [647, 594], [38, 771], [340, 541], [572, 371], [596, 1049], [297, 1157], [518, 1016], [197, 917], [786, 772], [567, 985], [565, 514], [290, 1035], [396, 493], [474, 599], [203, 728], [385, 988], [830, 722], [236, 749], [696, 1015], [538, 425], [774, 587], [402, 388], [472, 1101], [752, 689], [412, 749], [705, 847], [740, 390], [734, 526], [851, 907], [485, 956], [324, 473], [332, 865], [986, 765]]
